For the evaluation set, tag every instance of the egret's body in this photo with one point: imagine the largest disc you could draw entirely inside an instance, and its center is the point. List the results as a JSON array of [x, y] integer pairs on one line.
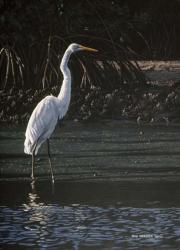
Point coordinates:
[[49, 110], [41, 123]]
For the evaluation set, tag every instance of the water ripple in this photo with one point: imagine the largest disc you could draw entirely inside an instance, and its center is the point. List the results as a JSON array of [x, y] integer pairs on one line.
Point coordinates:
[[53, 225]]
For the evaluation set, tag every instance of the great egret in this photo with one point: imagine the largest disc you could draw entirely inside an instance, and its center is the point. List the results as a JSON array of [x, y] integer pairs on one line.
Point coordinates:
[[49, 110]]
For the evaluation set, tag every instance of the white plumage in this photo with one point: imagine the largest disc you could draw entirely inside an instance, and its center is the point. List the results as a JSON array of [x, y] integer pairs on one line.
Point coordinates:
[[49, 110], [41, 123]]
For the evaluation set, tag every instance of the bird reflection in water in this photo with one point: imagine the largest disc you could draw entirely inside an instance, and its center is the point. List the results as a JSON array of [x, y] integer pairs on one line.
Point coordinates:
[[54, 225], [38, 216]]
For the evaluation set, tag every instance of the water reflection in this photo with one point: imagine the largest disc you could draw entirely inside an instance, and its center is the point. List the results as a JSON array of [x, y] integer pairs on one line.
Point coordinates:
[[37, 220], [110, 224]]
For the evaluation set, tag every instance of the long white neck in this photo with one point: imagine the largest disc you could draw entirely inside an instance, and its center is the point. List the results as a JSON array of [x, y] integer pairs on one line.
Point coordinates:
[[65, 92]]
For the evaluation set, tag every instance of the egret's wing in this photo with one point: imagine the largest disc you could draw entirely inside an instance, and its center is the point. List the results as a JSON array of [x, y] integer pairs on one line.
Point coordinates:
[[42, 122]]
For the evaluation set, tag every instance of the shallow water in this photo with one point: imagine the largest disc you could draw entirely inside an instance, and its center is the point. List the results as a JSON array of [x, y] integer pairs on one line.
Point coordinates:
[[96, 151], [117, 187]]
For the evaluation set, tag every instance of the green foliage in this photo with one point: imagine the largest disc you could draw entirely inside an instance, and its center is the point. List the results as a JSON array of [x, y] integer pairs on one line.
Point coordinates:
[[12, 67], [34, 35]]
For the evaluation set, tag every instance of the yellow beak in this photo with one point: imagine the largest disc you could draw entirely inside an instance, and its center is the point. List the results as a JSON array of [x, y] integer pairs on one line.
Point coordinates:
[[88, 49]]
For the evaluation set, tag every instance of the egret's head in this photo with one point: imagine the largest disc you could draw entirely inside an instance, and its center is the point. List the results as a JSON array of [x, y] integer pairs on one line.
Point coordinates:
[[77, 47]]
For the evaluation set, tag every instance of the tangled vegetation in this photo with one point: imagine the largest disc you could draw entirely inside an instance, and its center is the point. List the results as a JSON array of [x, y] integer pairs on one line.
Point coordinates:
[[35, 34]]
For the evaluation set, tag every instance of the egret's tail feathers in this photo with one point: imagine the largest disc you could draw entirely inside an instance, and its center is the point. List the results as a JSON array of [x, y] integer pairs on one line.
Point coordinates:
[[29, 147]]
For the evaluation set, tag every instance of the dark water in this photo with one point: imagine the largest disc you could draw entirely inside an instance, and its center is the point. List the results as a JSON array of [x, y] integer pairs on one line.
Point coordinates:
[[90, 215], [117, 187]]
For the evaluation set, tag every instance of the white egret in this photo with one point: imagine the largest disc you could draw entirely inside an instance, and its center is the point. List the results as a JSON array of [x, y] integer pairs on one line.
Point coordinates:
[[49, 110]]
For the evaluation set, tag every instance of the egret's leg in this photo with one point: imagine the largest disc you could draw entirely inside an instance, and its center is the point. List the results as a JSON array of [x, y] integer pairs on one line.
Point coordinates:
[[33, 163], [49, 156]]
